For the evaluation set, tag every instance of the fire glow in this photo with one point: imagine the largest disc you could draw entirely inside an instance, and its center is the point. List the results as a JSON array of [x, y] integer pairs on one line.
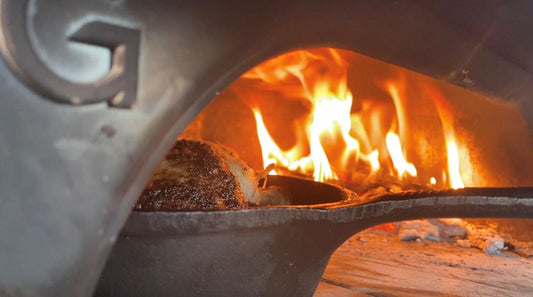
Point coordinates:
[[338, 143]]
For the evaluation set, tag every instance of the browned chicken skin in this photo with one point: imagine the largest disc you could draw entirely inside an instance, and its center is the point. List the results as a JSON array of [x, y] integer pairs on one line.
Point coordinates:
[[198, 175]]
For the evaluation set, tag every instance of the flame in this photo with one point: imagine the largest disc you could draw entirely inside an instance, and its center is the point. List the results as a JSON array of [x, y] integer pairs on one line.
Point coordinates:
[[446, 118], [272, 154], [331, 105], [453, 164], [397, 156], [340, 140]]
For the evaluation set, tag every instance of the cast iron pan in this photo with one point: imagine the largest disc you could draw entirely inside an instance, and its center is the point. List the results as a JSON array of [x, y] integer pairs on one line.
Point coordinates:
[[273, 251]]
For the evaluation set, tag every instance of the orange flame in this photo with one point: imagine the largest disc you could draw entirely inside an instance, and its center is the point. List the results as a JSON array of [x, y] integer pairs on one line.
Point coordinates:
[[395, 150], [272, 154], [446, 117], [331, 105], [456, 180], [343, 141]]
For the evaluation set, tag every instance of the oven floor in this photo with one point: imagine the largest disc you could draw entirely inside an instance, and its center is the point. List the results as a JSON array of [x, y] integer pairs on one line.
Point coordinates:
[[376, 263]]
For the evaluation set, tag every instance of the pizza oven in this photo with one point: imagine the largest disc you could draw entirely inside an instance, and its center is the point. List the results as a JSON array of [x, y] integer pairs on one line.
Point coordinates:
[[437, 98]]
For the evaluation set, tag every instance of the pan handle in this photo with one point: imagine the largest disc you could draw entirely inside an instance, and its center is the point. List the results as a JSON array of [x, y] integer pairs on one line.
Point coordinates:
[[514, 202]]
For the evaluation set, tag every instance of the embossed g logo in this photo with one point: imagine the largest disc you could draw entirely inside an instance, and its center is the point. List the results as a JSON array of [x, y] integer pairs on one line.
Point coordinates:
[[118, 87]]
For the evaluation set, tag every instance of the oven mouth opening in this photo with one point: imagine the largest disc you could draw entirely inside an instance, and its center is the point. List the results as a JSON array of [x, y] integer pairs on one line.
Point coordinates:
[[347, 120], [407, 145], [334, 116]]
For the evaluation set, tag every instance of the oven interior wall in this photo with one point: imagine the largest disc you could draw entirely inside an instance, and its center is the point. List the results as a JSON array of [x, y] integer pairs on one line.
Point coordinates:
[[498, 144]]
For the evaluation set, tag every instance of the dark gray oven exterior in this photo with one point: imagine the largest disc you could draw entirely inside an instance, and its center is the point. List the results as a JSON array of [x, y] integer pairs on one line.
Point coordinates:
[[93, 93]]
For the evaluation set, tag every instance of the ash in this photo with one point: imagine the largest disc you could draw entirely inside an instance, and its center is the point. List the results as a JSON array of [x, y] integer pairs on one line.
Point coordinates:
[[464, 234], [441, 258]]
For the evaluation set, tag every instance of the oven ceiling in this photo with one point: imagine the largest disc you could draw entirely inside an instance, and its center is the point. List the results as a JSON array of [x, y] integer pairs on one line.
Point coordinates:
[[507, 26]]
